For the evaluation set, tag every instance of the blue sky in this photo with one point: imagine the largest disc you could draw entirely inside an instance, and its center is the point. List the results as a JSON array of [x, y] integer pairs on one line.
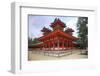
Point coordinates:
[[36, 23]]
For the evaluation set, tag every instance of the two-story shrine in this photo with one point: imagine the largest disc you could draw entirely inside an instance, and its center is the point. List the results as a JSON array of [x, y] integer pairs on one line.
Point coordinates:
[[58, 38]]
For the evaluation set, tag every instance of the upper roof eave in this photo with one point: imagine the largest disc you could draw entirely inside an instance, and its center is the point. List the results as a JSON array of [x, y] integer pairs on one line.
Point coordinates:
[[57, 32]]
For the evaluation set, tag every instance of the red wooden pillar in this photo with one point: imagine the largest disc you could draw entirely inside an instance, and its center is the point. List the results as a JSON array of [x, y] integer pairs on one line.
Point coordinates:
[[62, 44], [43, 46], [53, 44], [67, 44], [58, 44], [71, 44], [49, 46]]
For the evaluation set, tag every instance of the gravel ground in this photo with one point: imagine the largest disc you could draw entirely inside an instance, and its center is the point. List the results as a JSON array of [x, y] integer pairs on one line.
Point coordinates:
[[76, 54]]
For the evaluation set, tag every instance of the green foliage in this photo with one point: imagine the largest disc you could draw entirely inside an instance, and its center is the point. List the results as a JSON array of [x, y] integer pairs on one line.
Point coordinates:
[[82, 32], [35, 40], [32, 41], [29, 40]]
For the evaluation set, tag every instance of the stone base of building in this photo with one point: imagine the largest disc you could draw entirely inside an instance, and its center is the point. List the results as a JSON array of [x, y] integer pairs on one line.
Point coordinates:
[[54, 53]]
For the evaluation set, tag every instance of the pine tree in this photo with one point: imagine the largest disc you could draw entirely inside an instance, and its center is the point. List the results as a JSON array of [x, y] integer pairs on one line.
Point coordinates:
[[82, 27]]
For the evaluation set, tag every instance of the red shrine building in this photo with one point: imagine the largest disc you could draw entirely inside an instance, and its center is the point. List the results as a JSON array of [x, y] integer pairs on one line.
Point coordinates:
[[58, 38]]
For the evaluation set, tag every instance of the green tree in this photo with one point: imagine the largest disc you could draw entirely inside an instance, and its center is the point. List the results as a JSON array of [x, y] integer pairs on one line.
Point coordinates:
[[29, 40], [35, 40], [82, 32]]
